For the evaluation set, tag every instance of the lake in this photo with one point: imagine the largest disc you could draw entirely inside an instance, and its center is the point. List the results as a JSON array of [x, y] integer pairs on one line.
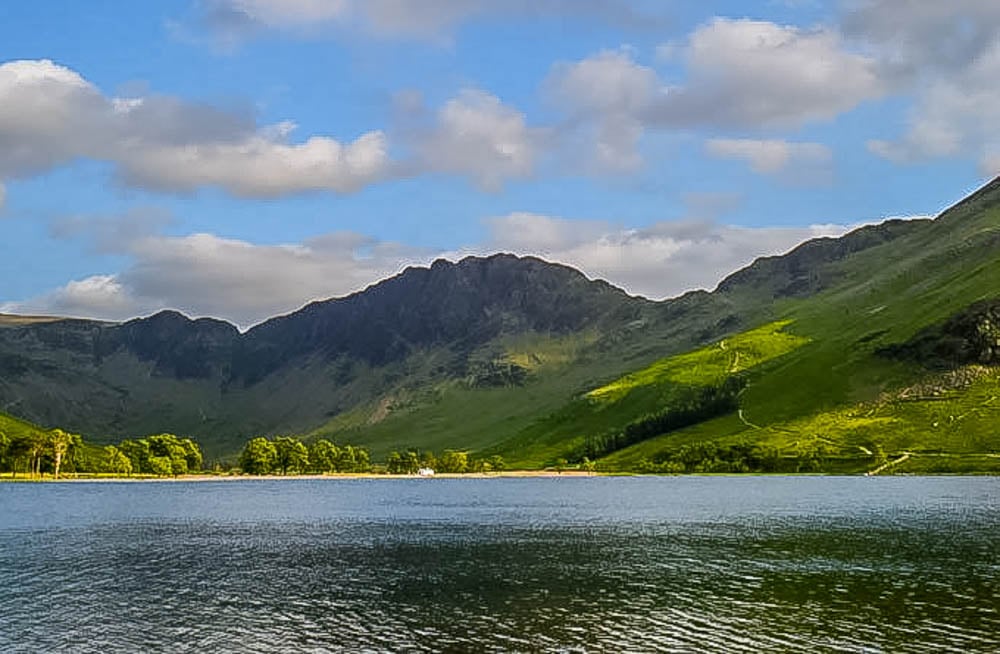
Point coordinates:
[[726, 564]]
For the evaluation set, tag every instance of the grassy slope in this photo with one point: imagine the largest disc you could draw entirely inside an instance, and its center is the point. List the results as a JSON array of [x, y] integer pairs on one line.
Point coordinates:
[[613, 405], [813, 376], [14, 427], [835, 391]]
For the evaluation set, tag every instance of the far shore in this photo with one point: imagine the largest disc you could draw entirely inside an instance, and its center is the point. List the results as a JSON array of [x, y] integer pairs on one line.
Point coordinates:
[[345, 475]]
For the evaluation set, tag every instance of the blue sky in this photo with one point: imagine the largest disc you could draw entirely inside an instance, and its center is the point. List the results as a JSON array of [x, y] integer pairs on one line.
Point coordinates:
[[238, 158]]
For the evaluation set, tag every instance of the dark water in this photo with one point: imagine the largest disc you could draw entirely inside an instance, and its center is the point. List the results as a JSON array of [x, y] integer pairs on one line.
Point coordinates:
[[589, 564]]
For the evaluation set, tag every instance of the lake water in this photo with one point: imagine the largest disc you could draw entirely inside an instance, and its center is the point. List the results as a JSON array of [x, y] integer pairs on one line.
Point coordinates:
[[724, 564]]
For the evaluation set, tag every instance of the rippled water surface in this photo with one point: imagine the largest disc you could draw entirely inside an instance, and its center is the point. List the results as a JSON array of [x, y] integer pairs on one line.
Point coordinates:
[[583, 564]]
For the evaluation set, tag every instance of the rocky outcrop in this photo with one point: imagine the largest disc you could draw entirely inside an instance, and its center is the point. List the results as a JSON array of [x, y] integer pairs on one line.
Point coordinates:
[[970, 336]]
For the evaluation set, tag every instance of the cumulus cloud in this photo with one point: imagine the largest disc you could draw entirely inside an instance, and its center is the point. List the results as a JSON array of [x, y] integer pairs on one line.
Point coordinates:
[[738, 74], [604, 95], [207, 275], [954, 115], [911, 39], [803, 162], [659, 261], [261, 165], [50, 116], [477, 135], [750, 73]]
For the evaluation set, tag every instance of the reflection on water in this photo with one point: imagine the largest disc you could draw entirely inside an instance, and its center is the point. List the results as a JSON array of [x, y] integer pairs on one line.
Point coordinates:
[[723, 564]]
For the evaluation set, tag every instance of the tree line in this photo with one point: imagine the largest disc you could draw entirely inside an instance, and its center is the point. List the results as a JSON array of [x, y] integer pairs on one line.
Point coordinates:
[[288, 455], [701, 404], [36, 451], [161, 455], [451, 461]]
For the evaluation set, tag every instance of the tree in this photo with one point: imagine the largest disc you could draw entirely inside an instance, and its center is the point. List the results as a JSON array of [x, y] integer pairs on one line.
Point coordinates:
[[411, 461], [394, 463], [587, 465], [259, 457], [496, 463], [428, 460], [60, 442], [192, 454], [362, 460], [116, 462], [347, 460], [31, 446], [323, 456], [291, 454], [161, 466], [138, 454], [4, 450], [174, 449], [454, 461]]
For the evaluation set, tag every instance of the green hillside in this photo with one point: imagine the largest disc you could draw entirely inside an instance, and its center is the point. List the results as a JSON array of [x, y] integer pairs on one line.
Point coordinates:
[[814, 389], [818, 359]]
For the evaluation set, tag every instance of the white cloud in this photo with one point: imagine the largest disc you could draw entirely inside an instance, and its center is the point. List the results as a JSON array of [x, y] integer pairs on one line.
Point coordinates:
[[739, 73], [262, 165], [749, 73], [207, 275], [477, 135], [50, 115], [659, 261], [912, 39], [803, 162], [955, 115], [604, 96]]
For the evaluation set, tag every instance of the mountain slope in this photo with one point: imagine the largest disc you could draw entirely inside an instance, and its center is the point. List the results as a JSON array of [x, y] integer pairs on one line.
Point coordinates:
[[203, 378], [880, 323], [504, 355]]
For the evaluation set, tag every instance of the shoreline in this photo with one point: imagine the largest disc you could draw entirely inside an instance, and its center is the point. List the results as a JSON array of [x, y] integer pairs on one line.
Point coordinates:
[[508, 474]]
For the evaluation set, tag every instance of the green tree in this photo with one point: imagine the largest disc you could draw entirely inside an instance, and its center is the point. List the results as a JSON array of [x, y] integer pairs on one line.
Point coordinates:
[[323, 456], [394, 463], [454, 461], [411, 461], [31, 446], [192, 455], [138, 454], [497, 463], [176, 450], [587, 465], [428, 460], [292, 454], [116, 462], [5, 452], [347, 459], [259, 457], [21, 452], [362, 460], [160, 466], [59, 442]]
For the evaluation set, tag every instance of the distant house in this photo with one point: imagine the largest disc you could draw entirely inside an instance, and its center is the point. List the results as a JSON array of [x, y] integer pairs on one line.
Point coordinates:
[[426, 472]]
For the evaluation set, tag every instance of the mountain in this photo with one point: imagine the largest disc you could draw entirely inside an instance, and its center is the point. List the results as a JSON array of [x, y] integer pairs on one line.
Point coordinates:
[[204, 378], [815, 354]]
